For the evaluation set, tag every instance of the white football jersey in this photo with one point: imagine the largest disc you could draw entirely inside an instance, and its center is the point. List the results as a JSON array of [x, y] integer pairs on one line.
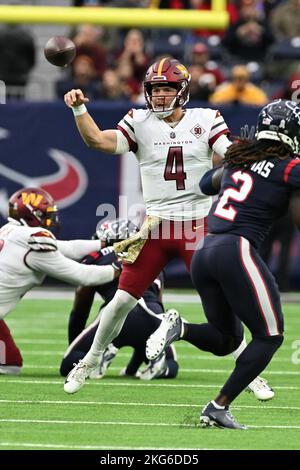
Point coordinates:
[[28, 254], [173, 159]]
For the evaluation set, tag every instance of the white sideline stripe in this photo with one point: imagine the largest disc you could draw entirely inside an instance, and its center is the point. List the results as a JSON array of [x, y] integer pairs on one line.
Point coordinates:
[[41, 341], [168, 405], [4, 379], [45, 330], [68, 294], [170, 297], [27, 352], [108, 446], [101, 423], [179, 346], [130, 423], [185, 371], [259, 287]]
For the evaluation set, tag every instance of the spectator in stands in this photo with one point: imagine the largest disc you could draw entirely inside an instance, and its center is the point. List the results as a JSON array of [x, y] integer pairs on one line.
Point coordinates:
[[17, 58], [202, 83], [239, 90], [134, 54], [172, 4], [84, 76], [131, 87], [200, 56], [112, 87], [285, 19], [292, 89], [249, 38], [86, 41]]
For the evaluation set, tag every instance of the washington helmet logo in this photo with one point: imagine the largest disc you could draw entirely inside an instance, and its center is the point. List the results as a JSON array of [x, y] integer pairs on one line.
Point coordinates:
[[183, 70]]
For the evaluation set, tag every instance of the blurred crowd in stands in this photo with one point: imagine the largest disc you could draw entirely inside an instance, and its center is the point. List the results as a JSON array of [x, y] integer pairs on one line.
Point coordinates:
[[256, 59]]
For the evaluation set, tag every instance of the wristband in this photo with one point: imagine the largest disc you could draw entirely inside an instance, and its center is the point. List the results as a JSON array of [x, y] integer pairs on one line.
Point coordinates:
[[79, 110]]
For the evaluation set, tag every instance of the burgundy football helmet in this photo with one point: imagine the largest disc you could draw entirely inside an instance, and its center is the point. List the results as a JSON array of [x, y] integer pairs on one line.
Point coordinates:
[[168, 72], [34, 207]]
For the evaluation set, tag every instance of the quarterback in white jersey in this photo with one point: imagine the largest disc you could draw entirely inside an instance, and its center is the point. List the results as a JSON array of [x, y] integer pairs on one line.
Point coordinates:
[[174, 148], [29, 251], [173, 159]]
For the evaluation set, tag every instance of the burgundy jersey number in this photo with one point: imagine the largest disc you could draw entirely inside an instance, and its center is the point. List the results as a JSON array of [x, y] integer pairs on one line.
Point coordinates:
[[174, 167]]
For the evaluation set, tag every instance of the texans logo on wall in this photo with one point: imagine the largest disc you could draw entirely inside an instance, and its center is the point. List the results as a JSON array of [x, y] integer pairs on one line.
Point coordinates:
[[41, 147], [66, 185]]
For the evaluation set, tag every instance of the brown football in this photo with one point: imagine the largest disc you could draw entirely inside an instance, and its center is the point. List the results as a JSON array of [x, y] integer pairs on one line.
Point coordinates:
[[60, 51]]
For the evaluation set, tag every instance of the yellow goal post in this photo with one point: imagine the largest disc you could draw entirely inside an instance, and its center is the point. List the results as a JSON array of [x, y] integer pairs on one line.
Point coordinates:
[[216, 18]]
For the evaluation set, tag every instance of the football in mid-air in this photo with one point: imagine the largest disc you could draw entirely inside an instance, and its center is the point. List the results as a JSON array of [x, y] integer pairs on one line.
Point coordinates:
[[60, 51]]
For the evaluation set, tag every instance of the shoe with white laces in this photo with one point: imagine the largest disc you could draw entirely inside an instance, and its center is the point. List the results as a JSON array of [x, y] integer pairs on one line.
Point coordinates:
[[106, 358], [261, 389], [77, 377], [156, 368], [168, 331], [221, 418]]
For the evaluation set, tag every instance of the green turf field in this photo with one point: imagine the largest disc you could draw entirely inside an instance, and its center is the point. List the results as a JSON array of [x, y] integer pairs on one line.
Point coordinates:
[[118, 413]]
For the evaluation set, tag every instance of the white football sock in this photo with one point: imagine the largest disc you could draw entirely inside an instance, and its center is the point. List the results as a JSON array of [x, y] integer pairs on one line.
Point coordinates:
[[112, 319], [240, 349]]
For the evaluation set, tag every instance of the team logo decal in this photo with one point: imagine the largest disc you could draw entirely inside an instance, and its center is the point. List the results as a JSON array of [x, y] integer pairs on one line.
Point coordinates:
[[183, 70], [197, 131]]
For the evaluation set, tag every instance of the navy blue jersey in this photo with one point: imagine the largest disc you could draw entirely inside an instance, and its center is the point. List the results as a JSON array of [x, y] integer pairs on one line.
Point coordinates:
[[251, 200], [107, 291]]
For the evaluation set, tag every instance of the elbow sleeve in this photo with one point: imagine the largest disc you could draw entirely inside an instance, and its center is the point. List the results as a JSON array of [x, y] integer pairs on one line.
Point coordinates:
[[206, 183]]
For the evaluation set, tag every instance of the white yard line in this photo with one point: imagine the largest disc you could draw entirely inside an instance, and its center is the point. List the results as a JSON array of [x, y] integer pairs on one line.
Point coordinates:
[[62, 293], [164, 405], [89, 447], [130, 423], [181, 369], [6, 380]]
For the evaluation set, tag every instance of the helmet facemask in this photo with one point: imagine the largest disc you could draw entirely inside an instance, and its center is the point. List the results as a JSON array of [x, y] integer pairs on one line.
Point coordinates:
[[167, 73], [280, 121], [164, 110]]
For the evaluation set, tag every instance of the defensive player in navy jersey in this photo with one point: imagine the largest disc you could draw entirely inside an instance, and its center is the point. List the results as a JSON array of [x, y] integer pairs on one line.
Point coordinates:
[[140, 323], [258, 180]]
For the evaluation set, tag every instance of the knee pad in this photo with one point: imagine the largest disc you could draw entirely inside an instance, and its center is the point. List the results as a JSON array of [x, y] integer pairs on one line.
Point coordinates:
[[228, 345], [276, 341], [122, 303]]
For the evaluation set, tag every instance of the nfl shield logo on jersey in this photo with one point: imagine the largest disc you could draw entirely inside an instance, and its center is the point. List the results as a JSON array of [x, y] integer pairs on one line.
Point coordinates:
[[197, 131]]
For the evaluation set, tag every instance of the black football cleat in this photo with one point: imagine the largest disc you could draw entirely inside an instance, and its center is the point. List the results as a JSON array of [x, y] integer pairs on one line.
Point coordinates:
[[212, 416]]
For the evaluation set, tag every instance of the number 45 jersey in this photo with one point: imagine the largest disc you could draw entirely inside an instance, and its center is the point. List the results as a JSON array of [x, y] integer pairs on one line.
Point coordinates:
[[251, 200], [173, 159]]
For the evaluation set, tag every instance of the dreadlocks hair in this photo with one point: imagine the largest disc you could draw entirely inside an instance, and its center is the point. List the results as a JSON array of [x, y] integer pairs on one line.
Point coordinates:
[[246, 152]]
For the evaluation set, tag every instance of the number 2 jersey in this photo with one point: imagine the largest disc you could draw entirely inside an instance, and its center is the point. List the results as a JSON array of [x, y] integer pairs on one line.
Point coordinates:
[[173, 159], [251, 200]]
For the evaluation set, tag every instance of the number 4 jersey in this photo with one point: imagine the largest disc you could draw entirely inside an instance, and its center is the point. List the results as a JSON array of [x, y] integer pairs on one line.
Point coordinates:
[[251, 200], [173, 159]]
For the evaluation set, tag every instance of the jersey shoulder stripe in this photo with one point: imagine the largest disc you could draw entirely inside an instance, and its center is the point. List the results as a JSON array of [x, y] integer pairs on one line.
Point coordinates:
[[289, 168], [128, 134], [42, 240]]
